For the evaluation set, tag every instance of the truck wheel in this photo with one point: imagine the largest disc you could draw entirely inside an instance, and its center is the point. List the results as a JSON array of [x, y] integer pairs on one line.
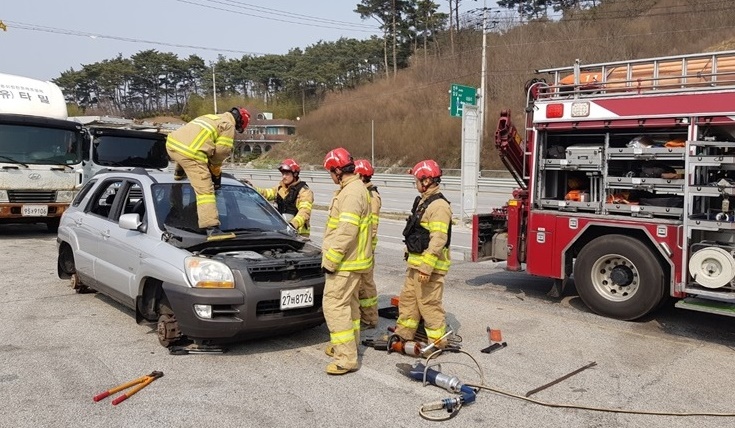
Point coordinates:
[[619, 277], [167, 328]]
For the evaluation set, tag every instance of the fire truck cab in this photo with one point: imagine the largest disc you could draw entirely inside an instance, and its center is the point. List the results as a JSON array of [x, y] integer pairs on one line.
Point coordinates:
[[625, 173]]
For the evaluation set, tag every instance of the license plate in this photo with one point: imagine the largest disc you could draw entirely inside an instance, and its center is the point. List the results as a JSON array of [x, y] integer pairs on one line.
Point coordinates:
[[298, 298], [34, 210]]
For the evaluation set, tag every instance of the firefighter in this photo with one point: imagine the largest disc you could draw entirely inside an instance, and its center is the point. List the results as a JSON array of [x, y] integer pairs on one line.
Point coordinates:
[[347, 259], [198, 149], [368, 292], [293, 197], [427, 236]]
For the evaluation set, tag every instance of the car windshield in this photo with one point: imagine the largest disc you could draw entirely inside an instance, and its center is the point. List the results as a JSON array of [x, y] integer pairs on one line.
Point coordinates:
[[240, 208]]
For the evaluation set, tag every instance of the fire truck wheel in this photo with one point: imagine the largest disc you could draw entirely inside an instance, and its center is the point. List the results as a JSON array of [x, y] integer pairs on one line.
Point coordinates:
[[618, 277]]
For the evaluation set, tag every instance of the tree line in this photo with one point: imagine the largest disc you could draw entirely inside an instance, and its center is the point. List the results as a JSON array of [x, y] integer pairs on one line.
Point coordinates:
[[151, 82]]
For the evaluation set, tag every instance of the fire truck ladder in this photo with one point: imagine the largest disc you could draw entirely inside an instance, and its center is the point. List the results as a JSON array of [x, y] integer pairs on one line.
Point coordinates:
[[680, 73]]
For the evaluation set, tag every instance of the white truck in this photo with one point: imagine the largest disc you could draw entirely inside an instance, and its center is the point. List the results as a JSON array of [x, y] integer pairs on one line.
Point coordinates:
[[40, 152], [113, 143]]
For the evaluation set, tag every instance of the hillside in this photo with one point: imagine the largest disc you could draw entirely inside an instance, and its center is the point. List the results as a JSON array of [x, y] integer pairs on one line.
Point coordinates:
[[409, 112]]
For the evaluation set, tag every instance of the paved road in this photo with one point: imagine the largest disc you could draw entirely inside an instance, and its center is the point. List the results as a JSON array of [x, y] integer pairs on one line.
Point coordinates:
[[59, 349]]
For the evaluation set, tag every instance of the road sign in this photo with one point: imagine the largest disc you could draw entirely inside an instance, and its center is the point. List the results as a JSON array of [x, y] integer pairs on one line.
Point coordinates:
[[460, 95]]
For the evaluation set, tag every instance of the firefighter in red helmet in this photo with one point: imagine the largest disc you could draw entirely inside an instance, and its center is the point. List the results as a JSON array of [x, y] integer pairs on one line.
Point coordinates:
[[367, 290], [347, 257], [427, 236], [293, 197], [198, 149]]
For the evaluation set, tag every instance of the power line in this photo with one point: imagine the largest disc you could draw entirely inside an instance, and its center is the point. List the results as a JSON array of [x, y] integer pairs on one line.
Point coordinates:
[[308, 24]]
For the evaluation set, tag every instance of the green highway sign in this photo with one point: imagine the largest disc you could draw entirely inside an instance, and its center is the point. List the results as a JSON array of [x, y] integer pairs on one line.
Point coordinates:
[[460, 95]]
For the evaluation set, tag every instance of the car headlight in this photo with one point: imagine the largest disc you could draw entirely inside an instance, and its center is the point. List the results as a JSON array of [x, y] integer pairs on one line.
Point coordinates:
[[4, 196], [65, 196], [207, 273]]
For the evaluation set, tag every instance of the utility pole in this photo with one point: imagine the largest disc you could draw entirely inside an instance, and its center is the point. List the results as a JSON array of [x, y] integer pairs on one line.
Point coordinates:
[[372, 143], [214, 90], [483, 71]]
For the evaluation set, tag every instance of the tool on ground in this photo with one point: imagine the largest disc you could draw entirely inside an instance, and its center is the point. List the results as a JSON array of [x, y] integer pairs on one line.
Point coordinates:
[[494, 347], [494, 335], [141, 383], [554, 382], [451, 405], [195, 348], [395, 343]]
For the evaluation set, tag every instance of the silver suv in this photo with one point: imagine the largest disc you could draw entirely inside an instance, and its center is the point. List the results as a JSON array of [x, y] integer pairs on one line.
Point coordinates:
[[133, 236]]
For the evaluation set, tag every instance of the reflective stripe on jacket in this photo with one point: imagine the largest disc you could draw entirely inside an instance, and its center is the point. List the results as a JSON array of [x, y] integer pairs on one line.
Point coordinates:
[[436, 219], [347, 244], [206, 139]]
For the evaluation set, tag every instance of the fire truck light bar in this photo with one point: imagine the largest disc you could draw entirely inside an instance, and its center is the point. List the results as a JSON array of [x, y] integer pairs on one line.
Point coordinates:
[[580, 109], [554, 111]]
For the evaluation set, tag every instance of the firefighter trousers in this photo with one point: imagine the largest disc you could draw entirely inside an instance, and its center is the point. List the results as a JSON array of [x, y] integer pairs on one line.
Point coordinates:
[[201, 180], [368, 296], [342, 313], [421, 301]]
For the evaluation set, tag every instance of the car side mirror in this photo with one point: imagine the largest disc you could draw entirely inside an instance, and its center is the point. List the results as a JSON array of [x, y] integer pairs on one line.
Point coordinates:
[[131, 221]]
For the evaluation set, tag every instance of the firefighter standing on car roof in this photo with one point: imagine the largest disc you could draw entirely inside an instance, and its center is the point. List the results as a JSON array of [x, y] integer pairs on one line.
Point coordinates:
[[198, 149], [421, 295], [367, 291], [293, 197], [347, 257]]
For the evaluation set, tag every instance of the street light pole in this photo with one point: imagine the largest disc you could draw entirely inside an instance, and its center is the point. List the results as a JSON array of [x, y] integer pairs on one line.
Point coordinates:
[[483, 71], [214, 90], [372, 143]]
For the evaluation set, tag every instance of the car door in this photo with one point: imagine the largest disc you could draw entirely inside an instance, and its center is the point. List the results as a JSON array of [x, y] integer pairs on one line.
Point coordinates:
[[88, 227], [119, 251]]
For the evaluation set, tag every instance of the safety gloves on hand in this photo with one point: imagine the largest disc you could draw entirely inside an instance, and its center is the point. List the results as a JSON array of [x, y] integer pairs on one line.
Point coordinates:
[[216, 171]]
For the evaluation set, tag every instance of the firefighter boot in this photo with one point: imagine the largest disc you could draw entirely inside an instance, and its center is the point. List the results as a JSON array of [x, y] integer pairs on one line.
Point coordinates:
[[334, 369], [215, 234], [329, 350], [179, 173]]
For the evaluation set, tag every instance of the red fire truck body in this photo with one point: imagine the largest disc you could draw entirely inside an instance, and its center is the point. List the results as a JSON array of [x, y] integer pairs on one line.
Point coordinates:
[[624, 178]]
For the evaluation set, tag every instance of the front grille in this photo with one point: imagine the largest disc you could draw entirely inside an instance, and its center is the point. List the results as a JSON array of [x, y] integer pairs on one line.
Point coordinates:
[[31, 196], [271, 308], [282, 274]]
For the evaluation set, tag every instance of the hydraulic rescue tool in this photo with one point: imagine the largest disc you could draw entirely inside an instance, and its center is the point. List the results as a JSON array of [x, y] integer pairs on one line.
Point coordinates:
[[141, 383], [420, 372], [395, 343]]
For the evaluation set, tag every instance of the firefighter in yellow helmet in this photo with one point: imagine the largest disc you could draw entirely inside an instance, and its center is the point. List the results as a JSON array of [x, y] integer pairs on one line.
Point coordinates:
[[427, 236], [347, 257], [293, 197], [367, 291], [198, 149]]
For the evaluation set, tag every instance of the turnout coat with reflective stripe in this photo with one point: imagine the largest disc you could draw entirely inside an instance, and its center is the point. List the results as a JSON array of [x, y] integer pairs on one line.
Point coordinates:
[[347, 244], [207, 138], [436, 219]]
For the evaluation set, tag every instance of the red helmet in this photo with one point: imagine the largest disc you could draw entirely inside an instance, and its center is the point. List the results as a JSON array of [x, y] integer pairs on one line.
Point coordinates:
[[426, 169], [289, 165], [338, 158], [242, 118], [363, 167]]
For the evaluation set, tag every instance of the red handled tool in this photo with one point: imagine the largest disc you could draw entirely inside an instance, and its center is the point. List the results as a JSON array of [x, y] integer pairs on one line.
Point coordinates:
[[141, 383]]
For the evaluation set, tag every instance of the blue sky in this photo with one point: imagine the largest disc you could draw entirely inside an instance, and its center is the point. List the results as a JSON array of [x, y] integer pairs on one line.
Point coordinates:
[[46, 37]]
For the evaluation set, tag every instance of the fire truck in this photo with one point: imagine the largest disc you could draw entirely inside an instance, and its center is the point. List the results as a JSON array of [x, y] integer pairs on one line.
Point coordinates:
[[625, 173]]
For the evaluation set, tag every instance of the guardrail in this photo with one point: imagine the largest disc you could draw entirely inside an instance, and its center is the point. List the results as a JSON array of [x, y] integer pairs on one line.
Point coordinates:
[[485, 184]]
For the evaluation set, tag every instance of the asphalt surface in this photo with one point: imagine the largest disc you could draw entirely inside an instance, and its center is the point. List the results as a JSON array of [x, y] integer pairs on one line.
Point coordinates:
[[59, 349]]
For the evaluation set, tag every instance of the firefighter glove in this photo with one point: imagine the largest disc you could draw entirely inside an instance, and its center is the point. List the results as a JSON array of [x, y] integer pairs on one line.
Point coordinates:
[[215, 169], [216, 181], [327, 271]]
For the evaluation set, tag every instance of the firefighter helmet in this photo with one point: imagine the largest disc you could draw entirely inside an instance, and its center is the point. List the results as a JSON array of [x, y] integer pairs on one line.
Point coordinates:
[[289, 165], [363, 167], [338, 158], [242, 118], [426, 169]]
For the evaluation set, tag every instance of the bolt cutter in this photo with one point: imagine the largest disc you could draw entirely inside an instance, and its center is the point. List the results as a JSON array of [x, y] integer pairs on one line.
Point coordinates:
[[141, 383]]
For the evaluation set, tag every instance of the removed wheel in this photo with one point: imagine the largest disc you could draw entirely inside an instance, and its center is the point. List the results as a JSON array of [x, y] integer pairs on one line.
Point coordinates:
[[619, 277]]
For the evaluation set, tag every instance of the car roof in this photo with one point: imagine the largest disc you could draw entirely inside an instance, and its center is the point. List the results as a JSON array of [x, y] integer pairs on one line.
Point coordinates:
[[156, 176]]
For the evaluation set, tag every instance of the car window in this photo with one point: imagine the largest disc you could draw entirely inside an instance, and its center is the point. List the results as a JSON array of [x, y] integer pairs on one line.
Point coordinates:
[[134, 203], [103, 198], [239, 207], [82, 193]]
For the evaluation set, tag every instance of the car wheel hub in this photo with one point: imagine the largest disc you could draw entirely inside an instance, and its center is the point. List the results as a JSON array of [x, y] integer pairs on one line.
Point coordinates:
[[168, 329]]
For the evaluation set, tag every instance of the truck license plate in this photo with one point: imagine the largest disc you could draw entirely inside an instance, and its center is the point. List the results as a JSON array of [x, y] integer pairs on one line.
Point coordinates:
[[298, 298], [34, 210]]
